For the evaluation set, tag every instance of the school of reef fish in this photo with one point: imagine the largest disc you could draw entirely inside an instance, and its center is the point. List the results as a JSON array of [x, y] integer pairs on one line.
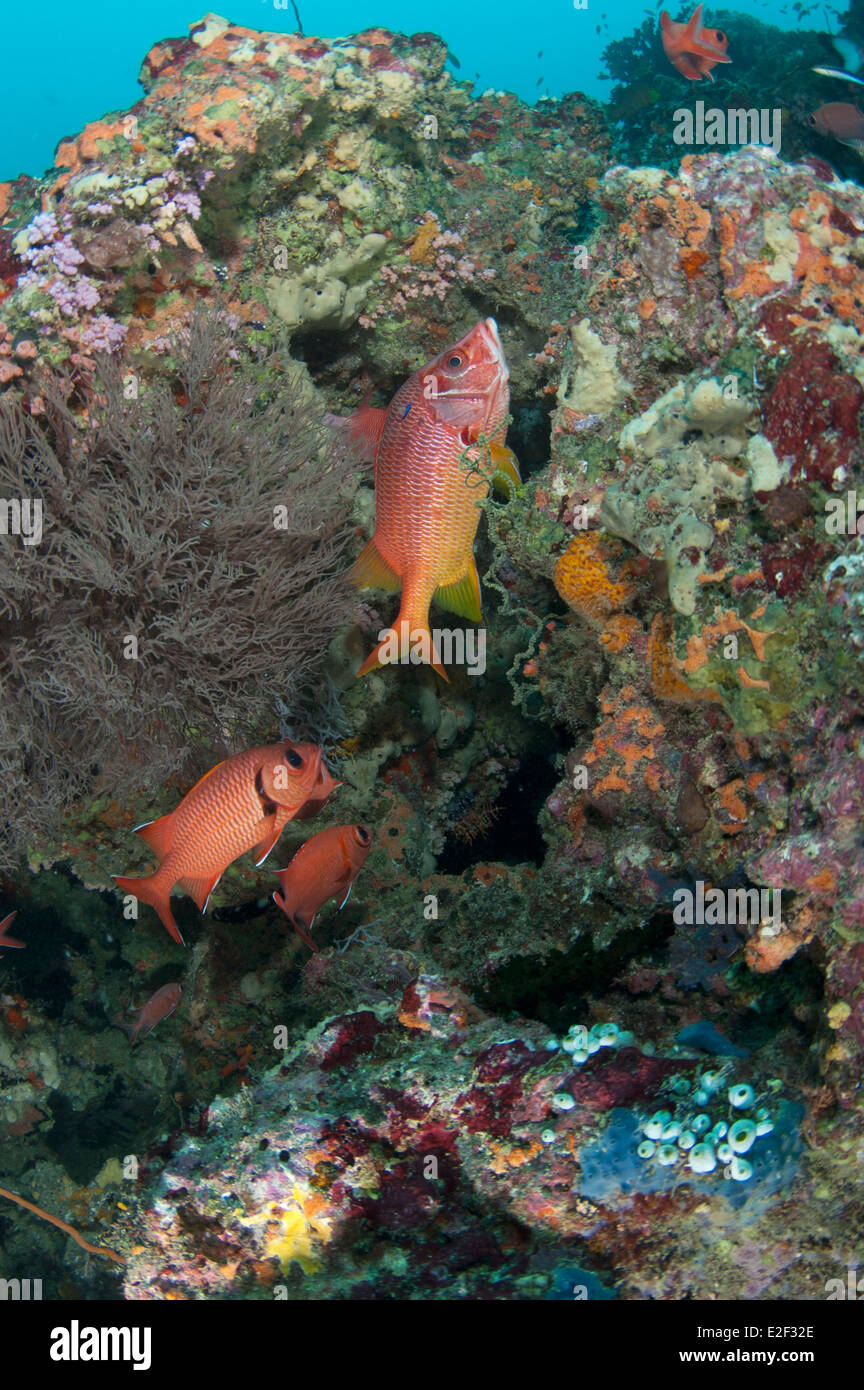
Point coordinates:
[[450, 555]]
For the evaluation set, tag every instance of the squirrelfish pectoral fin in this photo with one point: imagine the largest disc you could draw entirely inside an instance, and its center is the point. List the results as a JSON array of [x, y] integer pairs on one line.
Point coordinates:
[[199, 889], [505, 470], [157, 834], [365, 426], [371, 571], [275, 824], [462, 596]]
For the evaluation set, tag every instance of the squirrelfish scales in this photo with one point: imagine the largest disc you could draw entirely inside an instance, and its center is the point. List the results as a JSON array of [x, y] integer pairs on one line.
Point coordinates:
[[325, 867], [243, 803], [429, 482]]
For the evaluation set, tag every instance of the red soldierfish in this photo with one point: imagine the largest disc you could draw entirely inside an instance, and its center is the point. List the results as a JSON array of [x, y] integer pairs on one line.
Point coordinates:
[[325, 867], [427, 494], [842, 120], [158, 1006], [691, 48], [241, 804], [10, 941]]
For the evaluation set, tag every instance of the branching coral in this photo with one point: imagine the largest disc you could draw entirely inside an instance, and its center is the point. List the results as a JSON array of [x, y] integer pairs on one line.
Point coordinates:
[[189, 572]]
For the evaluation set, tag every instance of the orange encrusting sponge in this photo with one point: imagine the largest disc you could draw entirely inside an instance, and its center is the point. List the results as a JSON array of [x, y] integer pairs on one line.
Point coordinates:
[[582, 579]]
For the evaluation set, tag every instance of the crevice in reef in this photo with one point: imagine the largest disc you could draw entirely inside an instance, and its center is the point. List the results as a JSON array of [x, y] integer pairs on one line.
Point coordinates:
[[556, 990], [505, 831]]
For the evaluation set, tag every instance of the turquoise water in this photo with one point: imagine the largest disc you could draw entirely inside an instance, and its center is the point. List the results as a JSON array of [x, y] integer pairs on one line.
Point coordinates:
[[89, 55]]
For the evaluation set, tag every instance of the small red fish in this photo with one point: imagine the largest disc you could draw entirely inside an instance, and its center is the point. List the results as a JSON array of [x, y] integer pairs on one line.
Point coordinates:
[[10, 941], [243, 803], [427, 496], [158, 1006], [842, 120], [692, 49], [325, 867]]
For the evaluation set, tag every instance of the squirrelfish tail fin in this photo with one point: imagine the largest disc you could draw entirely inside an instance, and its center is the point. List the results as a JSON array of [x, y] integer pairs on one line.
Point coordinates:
[[151, 890], [405, 642]]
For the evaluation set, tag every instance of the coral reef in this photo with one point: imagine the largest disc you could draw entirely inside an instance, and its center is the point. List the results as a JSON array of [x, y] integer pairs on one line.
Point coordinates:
[[672, 706]]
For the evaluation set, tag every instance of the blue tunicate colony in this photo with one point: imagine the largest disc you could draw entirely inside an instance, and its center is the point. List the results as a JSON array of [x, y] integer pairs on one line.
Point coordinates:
[[691, 1136], [707, 1128]]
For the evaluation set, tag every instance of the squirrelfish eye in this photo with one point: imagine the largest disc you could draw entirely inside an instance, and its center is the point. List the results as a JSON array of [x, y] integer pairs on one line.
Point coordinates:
[[719, 36], [293, 758], [454, 361], [361, 835]]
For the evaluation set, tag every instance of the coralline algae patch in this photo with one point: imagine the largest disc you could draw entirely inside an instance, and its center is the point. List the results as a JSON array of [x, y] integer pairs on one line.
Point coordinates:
[[307, 178], [693, 256]]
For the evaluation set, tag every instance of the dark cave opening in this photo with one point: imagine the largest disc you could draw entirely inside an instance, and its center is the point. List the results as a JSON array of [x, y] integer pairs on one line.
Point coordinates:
[[556, 990], [512, 835], [530, 434], [323, 350], [560, 990]]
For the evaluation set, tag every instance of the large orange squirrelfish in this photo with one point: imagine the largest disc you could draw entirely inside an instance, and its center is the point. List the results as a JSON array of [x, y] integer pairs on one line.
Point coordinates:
[[325, 867], [241, 804], [427, 493]]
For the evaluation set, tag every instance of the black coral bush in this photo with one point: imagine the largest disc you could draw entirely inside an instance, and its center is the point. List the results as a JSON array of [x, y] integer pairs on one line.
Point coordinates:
[[187, 582]]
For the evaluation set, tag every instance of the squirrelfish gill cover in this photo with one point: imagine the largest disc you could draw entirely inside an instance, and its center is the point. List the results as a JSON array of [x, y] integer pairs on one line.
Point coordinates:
[[241, 804], [426, 493]]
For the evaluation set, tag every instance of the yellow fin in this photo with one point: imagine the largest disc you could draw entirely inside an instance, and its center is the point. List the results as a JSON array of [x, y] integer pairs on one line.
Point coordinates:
[[371, 571], [505, 470], [462, 596]]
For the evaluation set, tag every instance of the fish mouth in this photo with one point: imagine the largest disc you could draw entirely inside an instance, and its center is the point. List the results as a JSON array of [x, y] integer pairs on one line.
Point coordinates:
[[491, 339]]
